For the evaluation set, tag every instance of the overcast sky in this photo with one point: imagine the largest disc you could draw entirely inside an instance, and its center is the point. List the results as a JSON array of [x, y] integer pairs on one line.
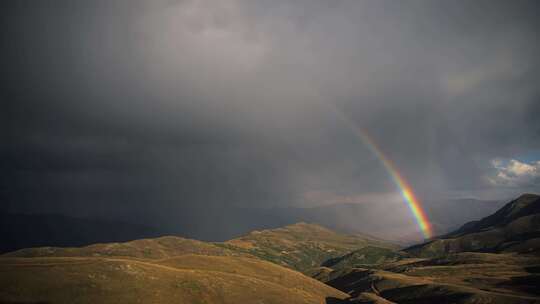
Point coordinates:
[[111, 107]]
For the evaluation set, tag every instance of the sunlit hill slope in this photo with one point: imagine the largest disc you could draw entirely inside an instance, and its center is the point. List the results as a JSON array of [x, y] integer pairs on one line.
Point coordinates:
[[178, 270]]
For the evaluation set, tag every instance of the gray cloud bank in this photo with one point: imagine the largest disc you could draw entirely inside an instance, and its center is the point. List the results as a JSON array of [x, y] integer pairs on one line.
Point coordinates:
[[151, 110]]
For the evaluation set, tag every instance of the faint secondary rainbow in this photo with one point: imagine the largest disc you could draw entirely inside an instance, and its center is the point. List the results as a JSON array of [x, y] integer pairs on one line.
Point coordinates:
[[405, 189]]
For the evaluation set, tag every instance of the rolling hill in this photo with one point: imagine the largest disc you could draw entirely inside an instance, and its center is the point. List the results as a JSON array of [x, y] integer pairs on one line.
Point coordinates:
[[183, 279], [493, 260], [178, 270], [301, 246], [158, 248], [368, 256]]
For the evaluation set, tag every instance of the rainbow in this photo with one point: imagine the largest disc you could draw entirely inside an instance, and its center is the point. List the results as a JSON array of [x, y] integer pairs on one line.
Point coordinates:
[[405, 189]]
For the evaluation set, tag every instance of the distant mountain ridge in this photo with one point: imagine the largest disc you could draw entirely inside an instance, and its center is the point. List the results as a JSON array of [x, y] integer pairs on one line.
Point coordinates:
[[189, 271], [302, 246], [526, 204], [373, 218], [513, 228], [492, 260], [355, 269], [34, 230], [154, 248], [367, 220], [299, 246]]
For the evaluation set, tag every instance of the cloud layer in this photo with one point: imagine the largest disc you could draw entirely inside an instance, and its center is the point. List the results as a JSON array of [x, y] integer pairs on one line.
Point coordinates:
[[515, 173], [151, 110]]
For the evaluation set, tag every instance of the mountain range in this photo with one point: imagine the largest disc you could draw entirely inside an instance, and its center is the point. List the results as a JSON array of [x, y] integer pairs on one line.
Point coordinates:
[[492, 260], [33, 230], [513, 228]]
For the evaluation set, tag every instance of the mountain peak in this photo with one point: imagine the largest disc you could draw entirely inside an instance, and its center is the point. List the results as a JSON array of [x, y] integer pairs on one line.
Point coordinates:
[[306, 226], [514, 227], [298, 228], [524, 201], [526, 204], [528, 196], [300, 246]]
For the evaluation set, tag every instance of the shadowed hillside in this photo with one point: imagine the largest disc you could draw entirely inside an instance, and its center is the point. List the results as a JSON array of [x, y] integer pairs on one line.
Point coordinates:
[[513, 228], [461, 278], [364, 257], [441, 271]]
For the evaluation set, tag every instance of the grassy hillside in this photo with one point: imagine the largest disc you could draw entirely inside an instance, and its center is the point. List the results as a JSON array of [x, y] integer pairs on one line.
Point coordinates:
[[300, 246], [158, 248], [184, 279], [179, 270], [459, 278], [365, 270], [368, 256]]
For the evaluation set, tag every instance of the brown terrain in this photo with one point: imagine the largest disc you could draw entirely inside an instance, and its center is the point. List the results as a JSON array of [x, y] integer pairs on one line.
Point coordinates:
[[493, 260]]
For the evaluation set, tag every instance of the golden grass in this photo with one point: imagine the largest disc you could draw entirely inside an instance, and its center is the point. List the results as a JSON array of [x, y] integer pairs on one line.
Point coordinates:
[[157, 248], [125, 280]]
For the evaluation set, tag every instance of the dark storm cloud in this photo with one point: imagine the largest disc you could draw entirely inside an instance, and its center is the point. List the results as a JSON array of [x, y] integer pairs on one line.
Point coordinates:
[[152, 109]]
